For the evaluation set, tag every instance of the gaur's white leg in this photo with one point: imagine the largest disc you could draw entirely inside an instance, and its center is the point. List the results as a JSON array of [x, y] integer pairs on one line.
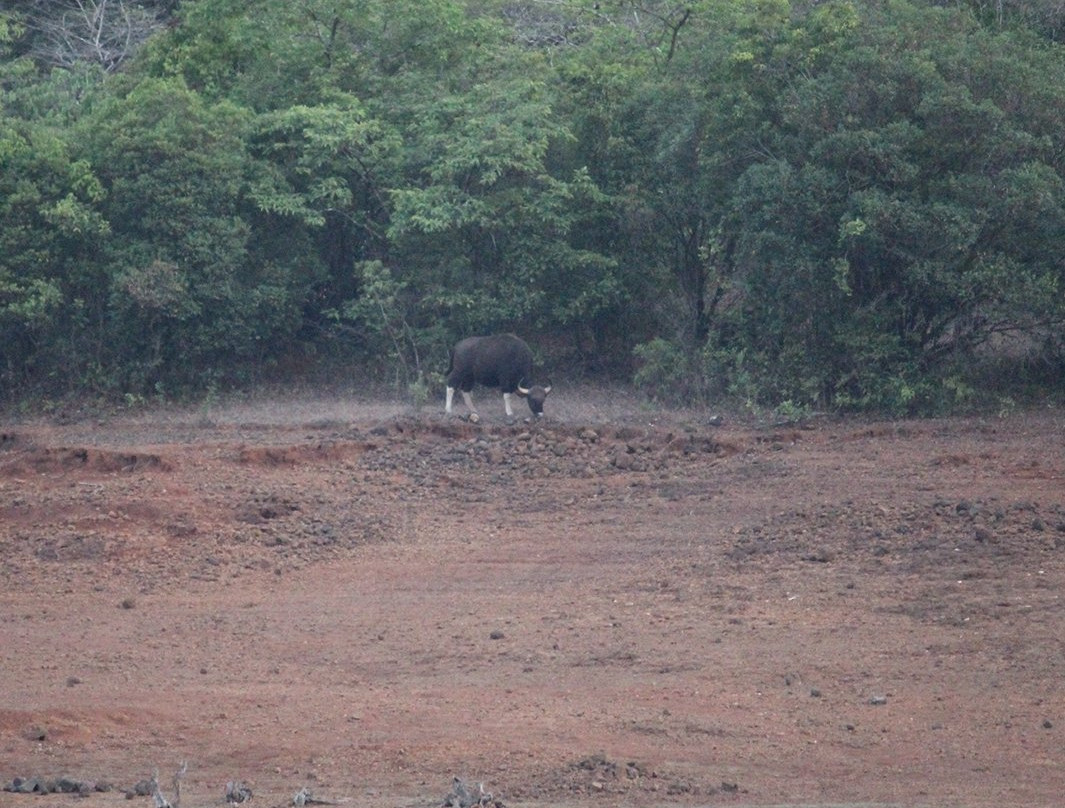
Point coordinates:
[[506, 403], [447, 401], [469, 402]]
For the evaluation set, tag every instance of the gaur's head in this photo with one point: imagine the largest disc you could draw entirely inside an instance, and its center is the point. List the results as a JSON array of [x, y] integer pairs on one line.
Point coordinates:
[[535, 396]]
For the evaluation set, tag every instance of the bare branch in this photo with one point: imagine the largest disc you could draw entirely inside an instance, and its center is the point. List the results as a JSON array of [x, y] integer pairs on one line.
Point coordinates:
[[103, 32]]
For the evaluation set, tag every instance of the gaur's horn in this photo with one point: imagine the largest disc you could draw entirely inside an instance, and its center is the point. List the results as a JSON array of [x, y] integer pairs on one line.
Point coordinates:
[[523, 391]]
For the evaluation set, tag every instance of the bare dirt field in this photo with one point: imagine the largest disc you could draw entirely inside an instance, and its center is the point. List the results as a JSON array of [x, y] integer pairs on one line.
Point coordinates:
[[616, 606]]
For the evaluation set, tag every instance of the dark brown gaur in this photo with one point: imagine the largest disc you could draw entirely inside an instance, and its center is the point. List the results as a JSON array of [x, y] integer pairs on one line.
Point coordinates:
[[500, 360]]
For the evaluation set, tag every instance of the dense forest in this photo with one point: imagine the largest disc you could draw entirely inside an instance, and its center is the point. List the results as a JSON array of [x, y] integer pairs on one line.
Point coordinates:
[[817, 204]]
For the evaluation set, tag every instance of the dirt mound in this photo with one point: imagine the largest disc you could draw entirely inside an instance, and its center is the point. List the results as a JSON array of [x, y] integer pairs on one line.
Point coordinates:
[[536, 449], [323, 452], [47, 460]]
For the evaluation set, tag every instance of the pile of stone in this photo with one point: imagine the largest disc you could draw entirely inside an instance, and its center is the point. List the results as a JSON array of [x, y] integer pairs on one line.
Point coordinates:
[[56, 785]]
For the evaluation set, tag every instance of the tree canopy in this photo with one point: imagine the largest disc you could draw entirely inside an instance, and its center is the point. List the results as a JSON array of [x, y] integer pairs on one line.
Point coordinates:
[[831, 204]]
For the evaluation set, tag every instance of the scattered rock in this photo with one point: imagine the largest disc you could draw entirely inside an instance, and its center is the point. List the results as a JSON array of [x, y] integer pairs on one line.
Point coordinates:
[[466, 796], [59, 785], [25, 785], [143, 788], [237, 792], [820, 556], [66, 785]]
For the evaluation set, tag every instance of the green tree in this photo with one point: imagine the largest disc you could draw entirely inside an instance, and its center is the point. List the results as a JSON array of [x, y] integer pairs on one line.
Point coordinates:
[[323, 176], [50, 223], [909, 210], [175, 294], [828, 203]]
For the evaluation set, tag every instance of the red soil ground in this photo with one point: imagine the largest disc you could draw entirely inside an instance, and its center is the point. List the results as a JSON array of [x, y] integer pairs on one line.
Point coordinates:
[[614, 606]]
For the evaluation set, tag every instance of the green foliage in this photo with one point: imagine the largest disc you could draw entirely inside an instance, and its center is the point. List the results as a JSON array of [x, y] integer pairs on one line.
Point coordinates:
[[382, 315], [172, 287], [667, 370], [49, 222], [796, 205], [907, 214]]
